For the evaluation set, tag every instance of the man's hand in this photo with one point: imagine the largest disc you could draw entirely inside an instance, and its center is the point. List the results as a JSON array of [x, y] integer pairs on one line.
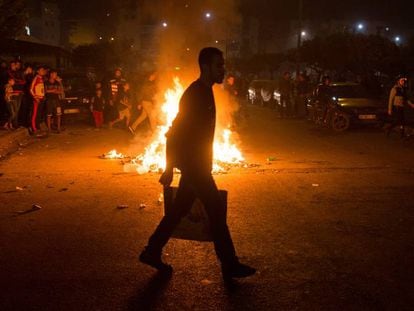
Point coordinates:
[[166, 178]]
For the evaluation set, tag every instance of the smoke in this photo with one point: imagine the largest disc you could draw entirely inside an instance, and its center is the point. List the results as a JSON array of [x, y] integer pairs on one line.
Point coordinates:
[[184, 27], [179, 30]]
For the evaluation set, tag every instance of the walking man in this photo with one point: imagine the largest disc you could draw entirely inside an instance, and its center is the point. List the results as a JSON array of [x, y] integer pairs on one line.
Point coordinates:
[[397, 102], [190, 148]]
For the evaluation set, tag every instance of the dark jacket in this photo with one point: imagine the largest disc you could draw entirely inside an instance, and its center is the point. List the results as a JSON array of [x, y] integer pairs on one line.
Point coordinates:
[[191, 136]]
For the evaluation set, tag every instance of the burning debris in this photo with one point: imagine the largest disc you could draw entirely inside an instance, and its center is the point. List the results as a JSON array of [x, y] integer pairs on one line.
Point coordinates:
[[113, 155]]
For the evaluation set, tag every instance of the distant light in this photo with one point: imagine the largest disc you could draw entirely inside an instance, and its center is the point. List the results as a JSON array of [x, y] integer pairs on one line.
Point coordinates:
[[132, 45], [387, 28], [217, 41], [188, 49], [108, 14], [360, 26], [208, 15], [397, 39], [100, 38], [112, 38], [187, 5], [164, 24], [303, 33], [27, 30], [177, 68]]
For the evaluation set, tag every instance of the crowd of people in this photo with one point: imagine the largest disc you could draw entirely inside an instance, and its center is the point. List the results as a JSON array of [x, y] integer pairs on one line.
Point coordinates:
[[118, 104], [29, 96]]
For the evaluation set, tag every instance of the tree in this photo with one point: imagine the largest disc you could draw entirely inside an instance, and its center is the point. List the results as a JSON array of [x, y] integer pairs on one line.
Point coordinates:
[[360, 54], [13, 17]]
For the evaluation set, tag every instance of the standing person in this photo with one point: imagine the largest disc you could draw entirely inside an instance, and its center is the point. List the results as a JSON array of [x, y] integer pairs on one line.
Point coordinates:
[[27, 101], [324, 97], [16, 73], [190, 148], [302, 93], [98, 106], [116, 89], [54, 90], [37, 90], [397, 102], [286, 94], [11, 102], [147, 103]]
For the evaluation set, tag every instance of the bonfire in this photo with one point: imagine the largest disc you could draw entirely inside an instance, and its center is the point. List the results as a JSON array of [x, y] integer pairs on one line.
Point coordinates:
[[226, 153]]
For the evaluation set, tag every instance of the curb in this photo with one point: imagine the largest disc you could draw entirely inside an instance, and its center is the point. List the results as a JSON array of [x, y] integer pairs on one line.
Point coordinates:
[[11, 141]]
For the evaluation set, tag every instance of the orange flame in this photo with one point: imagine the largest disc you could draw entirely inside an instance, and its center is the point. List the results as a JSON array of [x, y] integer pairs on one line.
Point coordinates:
[[153, 157]]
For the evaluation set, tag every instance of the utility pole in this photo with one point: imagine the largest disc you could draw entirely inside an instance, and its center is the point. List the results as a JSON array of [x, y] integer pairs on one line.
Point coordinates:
[[300, 17]]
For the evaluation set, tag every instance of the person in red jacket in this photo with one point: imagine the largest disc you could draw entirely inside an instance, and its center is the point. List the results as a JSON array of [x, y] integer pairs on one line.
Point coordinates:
[[37, 90]]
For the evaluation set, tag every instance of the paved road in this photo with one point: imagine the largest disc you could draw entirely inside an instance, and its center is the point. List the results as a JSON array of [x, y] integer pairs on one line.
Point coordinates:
[[329, 225]]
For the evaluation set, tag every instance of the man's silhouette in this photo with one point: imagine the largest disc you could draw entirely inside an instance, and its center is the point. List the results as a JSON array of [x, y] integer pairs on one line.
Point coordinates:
[[190, 148]]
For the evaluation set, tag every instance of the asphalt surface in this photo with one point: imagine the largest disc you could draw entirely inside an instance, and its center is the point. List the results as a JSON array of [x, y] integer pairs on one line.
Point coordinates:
[[328, 224]]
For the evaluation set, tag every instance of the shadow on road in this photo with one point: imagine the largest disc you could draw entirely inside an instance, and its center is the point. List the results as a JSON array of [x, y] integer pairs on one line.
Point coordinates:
[[148, 297], [241, 296]]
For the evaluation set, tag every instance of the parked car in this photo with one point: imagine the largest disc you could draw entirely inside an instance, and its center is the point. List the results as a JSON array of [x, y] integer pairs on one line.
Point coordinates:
[[263, 93], [350, 104], [78, 91]]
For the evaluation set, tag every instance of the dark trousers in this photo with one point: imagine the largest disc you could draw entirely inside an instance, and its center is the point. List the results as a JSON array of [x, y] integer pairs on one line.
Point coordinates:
[[195, 185], [398, 117], [285, 106]]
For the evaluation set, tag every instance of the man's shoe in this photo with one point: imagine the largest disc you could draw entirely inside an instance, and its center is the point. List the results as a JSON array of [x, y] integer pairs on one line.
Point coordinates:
[[237, 270], [154, 260]]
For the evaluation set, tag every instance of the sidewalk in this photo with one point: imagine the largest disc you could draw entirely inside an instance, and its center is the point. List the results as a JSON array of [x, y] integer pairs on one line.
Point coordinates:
[[10, 141]]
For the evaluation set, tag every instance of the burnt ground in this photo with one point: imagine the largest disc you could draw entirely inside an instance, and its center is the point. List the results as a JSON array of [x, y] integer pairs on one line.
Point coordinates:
[[329, 224]]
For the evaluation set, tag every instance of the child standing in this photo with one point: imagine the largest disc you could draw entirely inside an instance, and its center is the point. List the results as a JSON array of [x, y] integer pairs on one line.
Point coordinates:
[[97, 107], [11, 103]]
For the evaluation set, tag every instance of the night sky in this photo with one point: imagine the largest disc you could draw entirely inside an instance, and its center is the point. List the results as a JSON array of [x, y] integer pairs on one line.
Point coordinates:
[[395, 11]]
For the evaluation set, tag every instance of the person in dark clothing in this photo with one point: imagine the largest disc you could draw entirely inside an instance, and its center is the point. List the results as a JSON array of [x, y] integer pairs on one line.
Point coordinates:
[[116, 85], [398, 100], [16, 73], [324, 97], [53, 90], [190, 148], [302, 93], [286, 95], [97, 107], [27, 102]]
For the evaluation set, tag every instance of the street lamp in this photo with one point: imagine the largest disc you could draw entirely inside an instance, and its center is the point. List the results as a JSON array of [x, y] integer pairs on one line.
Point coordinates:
[[208, 15], [397, 39], [164, 24], [303, 33]]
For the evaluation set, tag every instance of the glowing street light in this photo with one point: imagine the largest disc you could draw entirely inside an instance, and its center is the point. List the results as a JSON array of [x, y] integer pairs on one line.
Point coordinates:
[[112, 38], [208, 15], [397, 39], [164, 24], [303, 33], [360, 26]]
